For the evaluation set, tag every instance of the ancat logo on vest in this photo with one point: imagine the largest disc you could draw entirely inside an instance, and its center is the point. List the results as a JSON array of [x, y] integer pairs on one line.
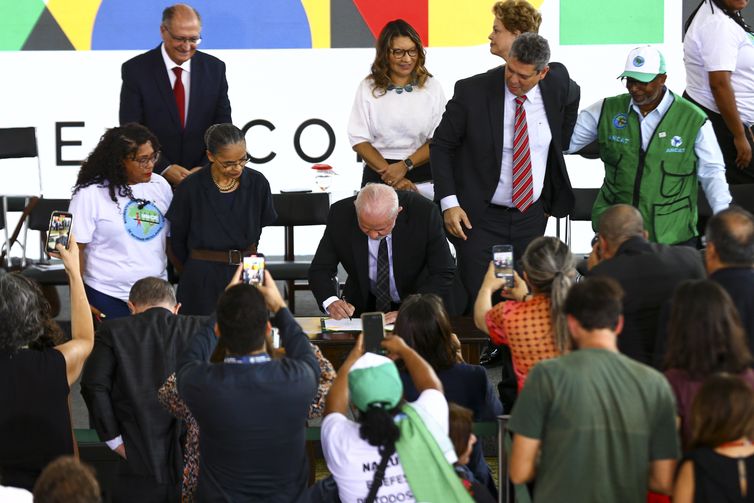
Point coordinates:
[[620, 121], [676, 143]]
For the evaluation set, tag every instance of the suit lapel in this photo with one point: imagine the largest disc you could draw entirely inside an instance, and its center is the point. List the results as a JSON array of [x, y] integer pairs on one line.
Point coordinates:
[[197, 70], [552, 108], [495, 102], [401, 248], [361, 258], [162, 83]]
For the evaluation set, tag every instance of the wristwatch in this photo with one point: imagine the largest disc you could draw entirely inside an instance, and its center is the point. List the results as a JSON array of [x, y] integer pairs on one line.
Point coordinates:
[[409, 163]]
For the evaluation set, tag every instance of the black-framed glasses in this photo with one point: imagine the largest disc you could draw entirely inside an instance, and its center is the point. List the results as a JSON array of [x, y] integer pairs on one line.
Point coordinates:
[[232, 164], [399, 53], [184, 40], [146, 160]]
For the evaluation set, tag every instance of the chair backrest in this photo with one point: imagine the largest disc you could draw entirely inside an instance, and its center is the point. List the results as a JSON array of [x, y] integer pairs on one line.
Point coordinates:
[[39, 218], [584, 202], [294, 209], [18, 142], [310, 208]]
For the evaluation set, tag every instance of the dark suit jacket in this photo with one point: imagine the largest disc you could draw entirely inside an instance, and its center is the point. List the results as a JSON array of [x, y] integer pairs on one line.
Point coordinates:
[[147, 98], [739, 283], [132, 358], [251, 417], [422, 261], [467, 147], [648, 273]]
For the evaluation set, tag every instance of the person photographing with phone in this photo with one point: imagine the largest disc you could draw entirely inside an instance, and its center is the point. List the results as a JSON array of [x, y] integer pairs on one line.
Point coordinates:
[[251, 409], [394, 451], [530, 322]]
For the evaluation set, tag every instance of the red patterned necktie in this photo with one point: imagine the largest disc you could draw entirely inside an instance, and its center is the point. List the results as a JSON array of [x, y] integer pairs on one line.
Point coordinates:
[[180, 95], [523, 185]]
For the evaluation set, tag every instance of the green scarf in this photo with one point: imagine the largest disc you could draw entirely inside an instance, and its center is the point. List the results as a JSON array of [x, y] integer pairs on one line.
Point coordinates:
[[430, 476]]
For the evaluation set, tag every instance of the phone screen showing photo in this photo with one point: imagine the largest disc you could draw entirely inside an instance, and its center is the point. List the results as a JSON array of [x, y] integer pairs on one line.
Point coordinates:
[[253, 270], [502, 255], [59, 230]]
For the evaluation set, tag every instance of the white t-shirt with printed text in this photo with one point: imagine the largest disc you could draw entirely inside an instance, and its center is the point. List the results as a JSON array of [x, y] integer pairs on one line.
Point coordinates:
[[352, 461], [125, 241]]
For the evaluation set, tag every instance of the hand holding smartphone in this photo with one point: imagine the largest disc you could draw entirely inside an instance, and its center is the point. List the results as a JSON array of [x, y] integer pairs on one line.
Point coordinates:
[[502, 256], [253, 269], [59, 230], [373, 327]]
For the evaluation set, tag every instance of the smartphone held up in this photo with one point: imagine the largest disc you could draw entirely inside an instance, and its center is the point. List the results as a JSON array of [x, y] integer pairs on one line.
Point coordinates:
[[59, 230], [253, 269], [502, 257], [373, 327]]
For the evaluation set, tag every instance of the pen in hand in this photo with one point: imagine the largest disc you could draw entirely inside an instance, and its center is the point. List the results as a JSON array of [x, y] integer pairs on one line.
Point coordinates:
[[343, 298]]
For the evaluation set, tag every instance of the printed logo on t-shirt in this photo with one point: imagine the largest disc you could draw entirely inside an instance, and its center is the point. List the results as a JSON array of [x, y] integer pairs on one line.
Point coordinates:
[[143, 220]]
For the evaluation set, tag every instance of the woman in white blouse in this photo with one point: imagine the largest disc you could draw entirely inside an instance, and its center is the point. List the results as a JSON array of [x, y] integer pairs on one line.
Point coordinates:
[[396, 110], [718, 52]]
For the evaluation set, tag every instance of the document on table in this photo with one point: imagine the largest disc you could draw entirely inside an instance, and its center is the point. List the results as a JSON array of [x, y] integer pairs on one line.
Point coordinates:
[[346, 325]]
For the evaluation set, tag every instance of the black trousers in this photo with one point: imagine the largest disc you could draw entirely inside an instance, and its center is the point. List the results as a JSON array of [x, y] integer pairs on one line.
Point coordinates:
[[734, 174], [498, 225]]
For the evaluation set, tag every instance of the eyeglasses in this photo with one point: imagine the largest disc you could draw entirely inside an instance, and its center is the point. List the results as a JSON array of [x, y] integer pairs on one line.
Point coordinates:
[[399, 53], [145, 161], [233, 164], [184, 40]]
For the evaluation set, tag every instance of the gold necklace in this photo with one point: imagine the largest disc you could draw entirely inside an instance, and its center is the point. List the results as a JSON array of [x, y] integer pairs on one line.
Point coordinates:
[[230, 186]]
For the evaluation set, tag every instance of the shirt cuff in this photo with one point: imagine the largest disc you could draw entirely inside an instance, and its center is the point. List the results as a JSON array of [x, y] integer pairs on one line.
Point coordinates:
[[115, 443], [448, 202], [329, 301]]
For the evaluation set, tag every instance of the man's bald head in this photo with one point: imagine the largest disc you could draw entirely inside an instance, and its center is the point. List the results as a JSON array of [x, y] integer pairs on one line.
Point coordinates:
[[619, 223]]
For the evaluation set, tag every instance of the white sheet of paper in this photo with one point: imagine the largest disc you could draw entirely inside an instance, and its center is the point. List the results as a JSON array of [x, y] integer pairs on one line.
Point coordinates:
[[346, 325], [427, 189]]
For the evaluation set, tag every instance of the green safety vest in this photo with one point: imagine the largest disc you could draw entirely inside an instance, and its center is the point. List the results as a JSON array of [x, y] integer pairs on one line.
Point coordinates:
[[661, 182]]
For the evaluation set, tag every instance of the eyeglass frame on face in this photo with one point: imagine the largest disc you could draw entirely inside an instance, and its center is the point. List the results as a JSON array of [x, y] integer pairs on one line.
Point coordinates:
[[144, 161], [183, 40], [399, 53], [232, 164]]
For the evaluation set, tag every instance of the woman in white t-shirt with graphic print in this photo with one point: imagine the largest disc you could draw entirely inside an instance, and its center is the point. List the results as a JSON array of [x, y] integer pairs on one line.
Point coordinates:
[[118, 208], [718, 49]]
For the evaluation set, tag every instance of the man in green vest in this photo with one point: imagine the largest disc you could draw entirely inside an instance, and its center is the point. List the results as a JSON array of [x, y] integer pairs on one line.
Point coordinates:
[[655, 146]]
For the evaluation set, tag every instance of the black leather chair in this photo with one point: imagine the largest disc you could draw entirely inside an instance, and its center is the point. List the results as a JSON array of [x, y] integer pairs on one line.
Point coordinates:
[[296, 209], [582, 209]]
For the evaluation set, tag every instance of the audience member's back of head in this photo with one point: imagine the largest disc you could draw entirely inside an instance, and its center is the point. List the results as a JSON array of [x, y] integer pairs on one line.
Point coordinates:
[[25, 315], [731, 231], [705, 333], [550, 269], [67, 480], [242, 319], [722, 411], [619, 223], [460, 429], [596, 303], [151, 291], [424, 324]]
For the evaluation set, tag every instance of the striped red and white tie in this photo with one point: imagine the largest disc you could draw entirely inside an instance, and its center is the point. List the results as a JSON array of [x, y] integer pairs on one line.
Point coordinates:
[[523, 185]]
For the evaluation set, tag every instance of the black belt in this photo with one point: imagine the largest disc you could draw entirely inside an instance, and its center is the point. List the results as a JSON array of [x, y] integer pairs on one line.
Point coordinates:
[[503, 208], [230, 257]]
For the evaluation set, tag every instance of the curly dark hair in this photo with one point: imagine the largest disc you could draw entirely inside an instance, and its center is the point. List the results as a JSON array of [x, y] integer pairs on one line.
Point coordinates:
[[25, 315], [705, 333], [380, 74], [424, 324], [378, 428], [105, 163]]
